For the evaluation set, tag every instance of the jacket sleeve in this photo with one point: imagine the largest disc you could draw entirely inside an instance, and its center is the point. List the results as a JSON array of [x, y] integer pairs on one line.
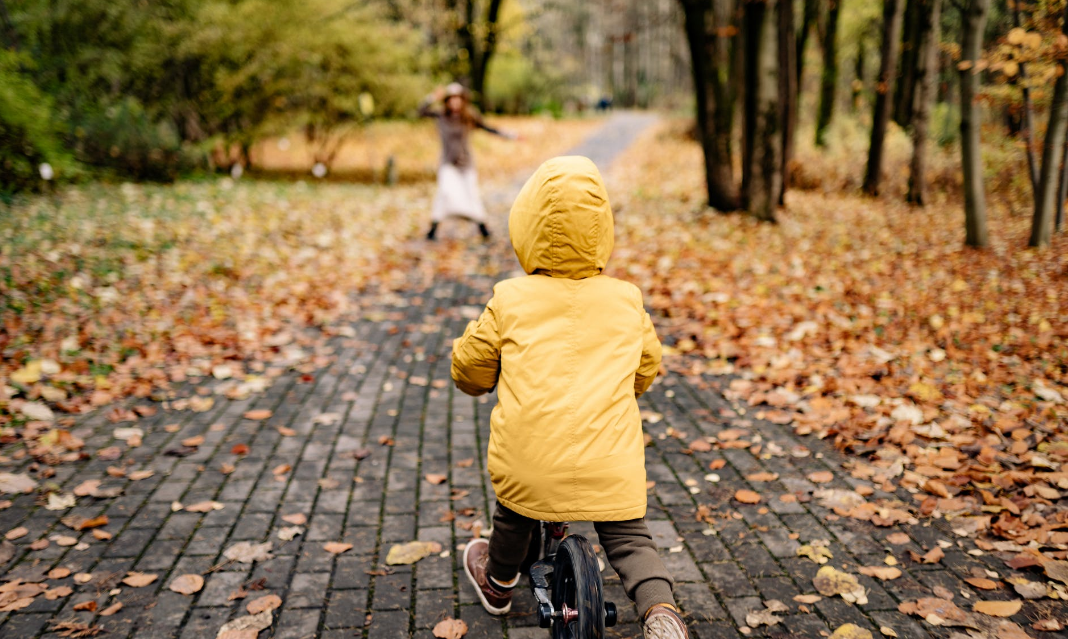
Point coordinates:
[[650, 363], [476, 355], [426, 110]]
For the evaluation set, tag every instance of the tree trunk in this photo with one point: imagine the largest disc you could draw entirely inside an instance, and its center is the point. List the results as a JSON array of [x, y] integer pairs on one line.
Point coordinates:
[[1028, 112], [763, 113], [808, 19], [480, 56], [973, 21], [858, 75], [715, 107], [829, 79], [1062, 191], [893, 10], [1052, 150], [788, 90], [911, 59], [928, 36]]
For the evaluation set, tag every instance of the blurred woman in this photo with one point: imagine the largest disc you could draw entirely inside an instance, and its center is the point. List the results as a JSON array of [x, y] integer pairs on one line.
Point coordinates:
[[457, 180]]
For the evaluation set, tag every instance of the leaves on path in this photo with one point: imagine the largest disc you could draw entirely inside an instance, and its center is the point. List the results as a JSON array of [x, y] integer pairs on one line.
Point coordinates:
[[946, 376], [11, 483], [450, 629], [830, 582], [851, 631], [766, 617], [246, 627], [247, 552], [139, 579], [998, 608], [337, 547], [747, 496], [411, 552], [187, 584], [260, 604]]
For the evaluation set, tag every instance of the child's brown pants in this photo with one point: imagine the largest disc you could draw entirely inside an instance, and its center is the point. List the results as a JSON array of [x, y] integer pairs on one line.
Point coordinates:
[[628, 545]]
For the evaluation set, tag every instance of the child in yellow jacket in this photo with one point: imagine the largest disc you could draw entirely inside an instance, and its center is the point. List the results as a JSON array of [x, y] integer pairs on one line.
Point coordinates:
[[569, 350]]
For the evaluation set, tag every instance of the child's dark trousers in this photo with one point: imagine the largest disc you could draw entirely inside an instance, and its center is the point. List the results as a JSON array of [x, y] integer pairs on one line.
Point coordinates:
[[628, 545]]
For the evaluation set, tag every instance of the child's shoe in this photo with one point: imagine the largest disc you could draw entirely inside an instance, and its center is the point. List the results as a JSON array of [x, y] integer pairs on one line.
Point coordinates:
[[496, 600], [662, 622]]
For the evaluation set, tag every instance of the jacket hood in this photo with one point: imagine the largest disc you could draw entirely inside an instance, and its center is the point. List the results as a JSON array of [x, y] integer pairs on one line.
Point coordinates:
[[561, 222]]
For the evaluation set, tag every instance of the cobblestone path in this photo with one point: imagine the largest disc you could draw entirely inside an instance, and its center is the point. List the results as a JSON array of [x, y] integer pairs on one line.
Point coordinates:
[[387, 380]]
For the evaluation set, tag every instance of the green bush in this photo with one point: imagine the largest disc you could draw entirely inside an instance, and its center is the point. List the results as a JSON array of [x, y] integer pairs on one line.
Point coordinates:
[[125, 139], [29, 135]]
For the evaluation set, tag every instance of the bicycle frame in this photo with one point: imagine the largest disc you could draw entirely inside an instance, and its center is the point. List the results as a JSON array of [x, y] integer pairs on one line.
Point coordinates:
[[552, 534]]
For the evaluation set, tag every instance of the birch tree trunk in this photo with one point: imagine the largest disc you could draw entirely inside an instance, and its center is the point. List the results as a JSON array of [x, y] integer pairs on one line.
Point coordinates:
[[1052, 150], [973, 19], [893, 11], [929, 33]]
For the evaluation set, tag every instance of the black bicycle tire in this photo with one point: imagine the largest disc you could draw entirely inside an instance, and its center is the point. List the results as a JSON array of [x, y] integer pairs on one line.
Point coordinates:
[[576, 560]]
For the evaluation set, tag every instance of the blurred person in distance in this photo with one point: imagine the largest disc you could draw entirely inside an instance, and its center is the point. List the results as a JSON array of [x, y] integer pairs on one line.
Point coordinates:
[[457, 193]]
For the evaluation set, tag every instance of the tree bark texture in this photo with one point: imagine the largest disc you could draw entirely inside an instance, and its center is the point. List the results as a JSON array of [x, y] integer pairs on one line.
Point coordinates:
[[893, 12], [763, 113], [910, 60], [829, 78], [788, 90], [809, 16], [1052, 151], [1028, 111], [710, 65], [928, 35], [973, 21]]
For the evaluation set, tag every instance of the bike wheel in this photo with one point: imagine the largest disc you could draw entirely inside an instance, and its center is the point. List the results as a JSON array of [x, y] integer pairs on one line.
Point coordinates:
[[577, 586]]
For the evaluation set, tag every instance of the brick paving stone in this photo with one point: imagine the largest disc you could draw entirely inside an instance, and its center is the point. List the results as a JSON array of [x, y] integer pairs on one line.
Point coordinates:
[[383, 499]]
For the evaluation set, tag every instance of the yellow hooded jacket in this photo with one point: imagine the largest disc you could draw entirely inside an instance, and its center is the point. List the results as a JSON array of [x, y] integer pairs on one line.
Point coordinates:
[[571, 349]]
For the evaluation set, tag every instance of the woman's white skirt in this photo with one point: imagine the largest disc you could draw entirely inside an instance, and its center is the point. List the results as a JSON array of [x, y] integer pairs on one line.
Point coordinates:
[[457, 194]]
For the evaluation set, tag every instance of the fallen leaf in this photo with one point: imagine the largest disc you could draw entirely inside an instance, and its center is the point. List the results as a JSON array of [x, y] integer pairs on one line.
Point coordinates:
[[261, 604], [465, 463], [898, 538], [336, 547], [747, 497], [821, 477], [139, 579], [762, 477], [982, 583], [58, 593], [818, 553], [204, 507], [138, 475], [193, 442], [932, 556], [1056, 570], [286, 432], [851, 631], [258, 415], [411, 552], [807, 599], [829, 582], [766, 617], [86, 605], [187, 584], [59, 573], [251, 625], [247, 552], [298, 519], [112, 609], [998, 608], [288, 533], [14, 484], [884, 573], [436, 479], [16, 533], [700, 445], [239, 449], [450, 629]]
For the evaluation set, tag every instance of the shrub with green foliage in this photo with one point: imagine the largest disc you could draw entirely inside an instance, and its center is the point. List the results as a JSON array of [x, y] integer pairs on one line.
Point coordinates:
[[29, 135]]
